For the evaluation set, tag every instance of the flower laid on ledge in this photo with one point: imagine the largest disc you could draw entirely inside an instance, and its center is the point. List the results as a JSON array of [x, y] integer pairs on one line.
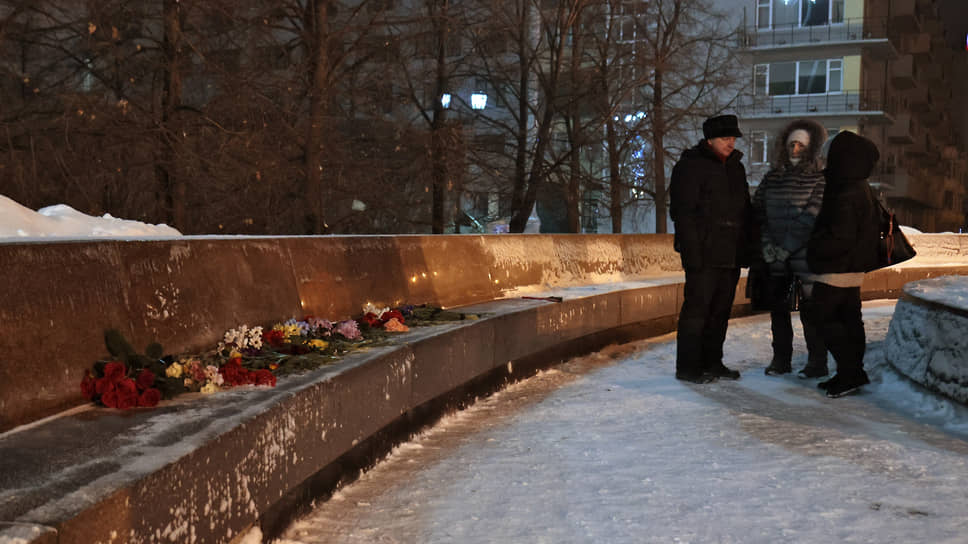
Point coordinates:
[[245, 356]]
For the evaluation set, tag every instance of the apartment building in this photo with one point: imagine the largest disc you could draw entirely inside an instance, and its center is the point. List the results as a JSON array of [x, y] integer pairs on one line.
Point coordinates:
[[880, 68]]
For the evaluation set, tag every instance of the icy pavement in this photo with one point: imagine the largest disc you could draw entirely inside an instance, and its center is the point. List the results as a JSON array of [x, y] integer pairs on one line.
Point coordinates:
[[611, 448]]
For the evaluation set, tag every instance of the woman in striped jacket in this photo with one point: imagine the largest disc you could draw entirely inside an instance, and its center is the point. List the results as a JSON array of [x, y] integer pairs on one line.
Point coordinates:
[[785, 207]]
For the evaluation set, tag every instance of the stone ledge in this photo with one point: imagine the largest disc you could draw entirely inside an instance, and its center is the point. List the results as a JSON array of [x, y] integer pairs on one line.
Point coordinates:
[[58, 298], [206, 469]]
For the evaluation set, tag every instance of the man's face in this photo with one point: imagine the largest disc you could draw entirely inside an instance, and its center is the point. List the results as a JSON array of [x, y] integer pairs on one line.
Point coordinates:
[[796, 148], [723, 146]]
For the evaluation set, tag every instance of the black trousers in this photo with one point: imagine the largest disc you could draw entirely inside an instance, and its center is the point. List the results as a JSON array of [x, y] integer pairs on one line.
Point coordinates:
[[837, 312], [781, 325], [707, 301]]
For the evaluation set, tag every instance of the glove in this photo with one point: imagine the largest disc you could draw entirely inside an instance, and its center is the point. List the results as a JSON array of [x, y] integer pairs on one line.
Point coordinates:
[[769, 253], [781, 254]]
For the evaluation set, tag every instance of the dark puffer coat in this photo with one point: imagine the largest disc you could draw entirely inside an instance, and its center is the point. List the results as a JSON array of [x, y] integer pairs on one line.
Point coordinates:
[[787, 201], [710, 205], [845, 237]]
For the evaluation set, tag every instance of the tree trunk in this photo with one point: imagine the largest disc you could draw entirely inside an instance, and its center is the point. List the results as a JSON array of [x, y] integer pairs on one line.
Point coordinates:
[[316, 199], [614, 176], [173, 189], [573, 195], [658, 147], [437, 141], [519, 215]]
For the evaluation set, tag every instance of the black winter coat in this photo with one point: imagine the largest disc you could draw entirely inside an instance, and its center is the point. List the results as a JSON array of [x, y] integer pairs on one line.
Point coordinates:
[[845, 236], [710, 205]]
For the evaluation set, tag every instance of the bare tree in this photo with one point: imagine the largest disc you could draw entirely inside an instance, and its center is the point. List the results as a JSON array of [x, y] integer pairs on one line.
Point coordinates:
[[693, 74]]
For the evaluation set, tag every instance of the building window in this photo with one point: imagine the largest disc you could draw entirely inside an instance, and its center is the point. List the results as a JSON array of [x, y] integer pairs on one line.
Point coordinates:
[[786, 13], [793, 13], [802, 77], [837, 11], [783, 78], [812, 76], [834, 75], [758, 147], [762, 13], [814, 12], [761, 74]]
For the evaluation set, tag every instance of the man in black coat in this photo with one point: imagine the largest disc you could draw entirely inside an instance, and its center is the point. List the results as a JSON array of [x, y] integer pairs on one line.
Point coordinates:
[[710, 206], [844, 245]]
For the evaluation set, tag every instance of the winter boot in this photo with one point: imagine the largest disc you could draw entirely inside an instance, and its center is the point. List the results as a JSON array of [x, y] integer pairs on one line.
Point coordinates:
[[723, 371], [704, 377], [778, 367], [813, 369], [841, 386]]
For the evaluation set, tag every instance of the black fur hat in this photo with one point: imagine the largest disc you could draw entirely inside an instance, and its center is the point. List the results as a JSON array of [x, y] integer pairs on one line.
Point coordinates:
[[723, 125]]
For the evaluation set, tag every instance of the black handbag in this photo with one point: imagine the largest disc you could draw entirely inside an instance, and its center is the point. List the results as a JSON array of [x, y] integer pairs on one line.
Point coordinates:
[[768, 293], [893, 247]]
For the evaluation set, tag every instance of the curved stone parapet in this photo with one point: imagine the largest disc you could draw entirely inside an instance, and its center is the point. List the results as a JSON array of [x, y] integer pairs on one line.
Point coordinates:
[[58, 298], [926, 340], [206, 469]]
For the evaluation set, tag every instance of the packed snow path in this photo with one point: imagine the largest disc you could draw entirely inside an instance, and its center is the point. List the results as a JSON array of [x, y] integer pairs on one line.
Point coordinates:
[[611, 448]]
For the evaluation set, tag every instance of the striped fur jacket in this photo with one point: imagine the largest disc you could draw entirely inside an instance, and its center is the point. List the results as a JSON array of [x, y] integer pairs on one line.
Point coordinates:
[[785, 207]]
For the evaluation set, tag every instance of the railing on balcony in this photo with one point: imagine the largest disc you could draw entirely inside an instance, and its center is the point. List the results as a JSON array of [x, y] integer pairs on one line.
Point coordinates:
[[815, 104], [864, 28]]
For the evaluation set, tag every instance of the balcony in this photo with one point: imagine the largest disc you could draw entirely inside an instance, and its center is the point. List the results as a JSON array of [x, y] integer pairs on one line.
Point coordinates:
[[901, 132], [905, 16], [871, 33], [904, 73], [869, 104]]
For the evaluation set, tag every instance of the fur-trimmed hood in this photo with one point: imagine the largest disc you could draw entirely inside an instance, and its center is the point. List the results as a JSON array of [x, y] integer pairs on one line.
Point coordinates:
[[850, 157], [813, 156]]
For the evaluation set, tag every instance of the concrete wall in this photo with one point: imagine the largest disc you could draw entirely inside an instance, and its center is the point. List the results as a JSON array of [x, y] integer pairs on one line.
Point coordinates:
[[59, 298]]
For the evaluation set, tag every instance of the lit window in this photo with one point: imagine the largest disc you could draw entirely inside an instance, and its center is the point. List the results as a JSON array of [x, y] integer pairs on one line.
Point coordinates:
[[478, 101]]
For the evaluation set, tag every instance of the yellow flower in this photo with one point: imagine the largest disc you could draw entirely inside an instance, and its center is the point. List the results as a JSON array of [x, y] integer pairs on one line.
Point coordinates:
[[174, 370], [291, 330], [209, 388], [234, 354], [318, 344]]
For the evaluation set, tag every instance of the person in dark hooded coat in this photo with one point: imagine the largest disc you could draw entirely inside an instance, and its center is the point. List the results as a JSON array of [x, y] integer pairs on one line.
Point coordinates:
[[710, 206], [842, 247], [785, 207]]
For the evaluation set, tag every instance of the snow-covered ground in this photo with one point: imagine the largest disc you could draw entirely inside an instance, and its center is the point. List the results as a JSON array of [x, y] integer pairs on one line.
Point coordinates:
[[19, 223], [611, 448]]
